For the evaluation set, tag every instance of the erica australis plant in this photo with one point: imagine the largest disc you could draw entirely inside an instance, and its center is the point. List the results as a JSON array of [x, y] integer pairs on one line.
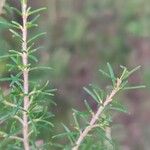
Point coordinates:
[[24, 112]]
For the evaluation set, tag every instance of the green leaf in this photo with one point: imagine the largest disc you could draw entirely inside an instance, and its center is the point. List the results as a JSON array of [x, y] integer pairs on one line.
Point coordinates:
[[98, 92], [7, 56], [45, 121], [16, 10], [134, 87], [33, 124], [5, 79], [14, 51], [18, 107], [124, 83], [111, 73], [70, 135], [41, 68], [46, 93], [132, 71], [56, 144], [36, 11], [16, 59], [15, 34], [118, 107], [16, 24], [31, 25], [104, 73], [36, 37], [11, 67], [82, 114], [91, 94], [102, 135], [76, 121], [4, 23], [63, 135], [124, 73], [34, 19], [6, 116], [43, 90], [34, 50], [16, 80], [88, 107], [33, 58]]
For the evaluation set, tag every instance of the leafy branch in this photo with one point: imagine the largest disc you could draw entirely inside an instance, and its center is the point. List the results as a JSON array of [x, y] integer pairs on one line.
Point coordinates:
[[119, 83], [22, 103], [97, 122]]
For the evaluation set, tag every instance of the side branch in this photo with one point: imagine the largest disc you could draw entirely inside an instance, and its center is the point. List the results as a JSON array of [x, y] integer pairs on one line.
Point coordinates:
[[97, 115]]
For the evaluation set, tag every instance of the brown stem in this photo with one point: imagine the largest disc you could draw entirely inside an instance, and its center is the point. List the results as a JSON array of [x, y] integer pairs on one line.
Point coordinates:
[[96, 116], [25, 129]]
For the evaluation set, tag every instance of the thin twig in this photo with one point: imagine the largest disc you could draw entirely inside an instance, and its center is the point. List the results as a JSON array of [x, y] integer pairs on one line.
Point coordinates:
[[97, 115]]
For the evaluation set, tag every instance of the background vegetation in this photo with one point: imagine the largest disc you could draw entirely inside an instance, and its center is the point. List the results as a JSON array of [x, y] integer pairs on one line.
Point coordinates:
[[81, 37]]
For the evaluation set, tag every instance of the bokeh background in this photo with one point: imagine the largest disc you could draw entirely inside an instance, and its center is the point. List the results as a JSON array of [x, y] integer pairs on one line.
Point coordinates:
[[82, 36]]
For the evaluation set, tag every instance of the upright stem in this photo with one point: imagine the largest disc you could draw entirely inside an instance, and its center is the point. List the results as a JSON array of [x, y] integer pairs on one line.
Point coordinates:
[[26, 104], [96, 116]]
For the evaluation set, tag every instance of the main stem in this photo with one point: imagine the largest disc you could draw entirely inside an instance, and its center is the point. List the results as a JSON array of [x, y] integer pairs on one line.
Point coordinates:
[[96, 116], [25, 129]]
